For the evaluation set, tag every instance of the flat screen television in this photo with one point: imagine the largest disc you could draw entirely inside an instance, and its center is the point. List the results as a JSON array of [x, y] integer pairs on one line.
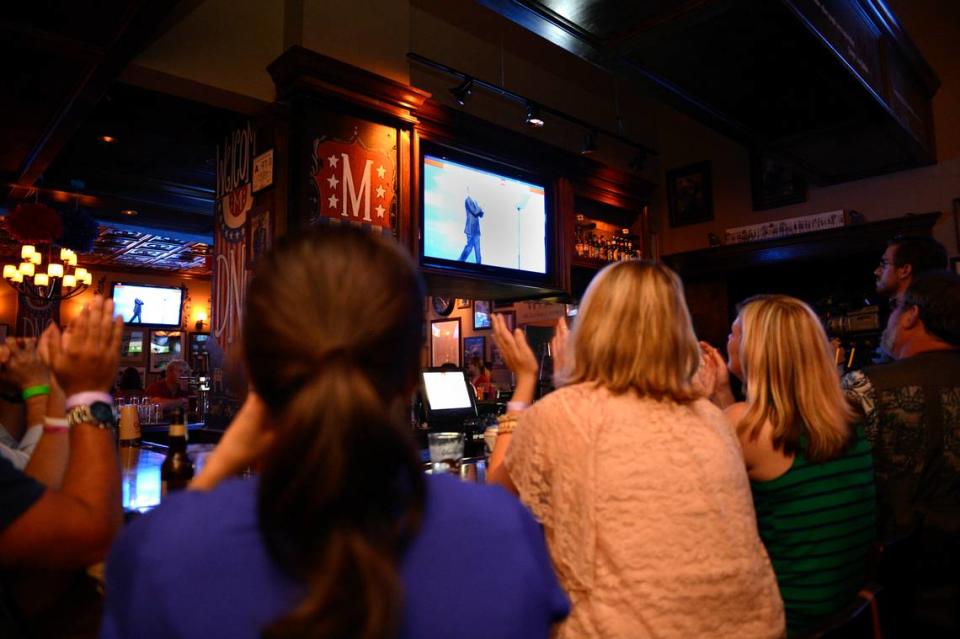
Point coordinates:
[[148, 304], [485, 218], [447, 397]]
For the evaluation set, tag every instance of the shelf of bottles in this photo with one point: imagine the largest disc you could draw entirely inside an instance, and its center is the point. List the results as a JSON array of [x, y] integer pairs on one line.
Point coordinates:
[[597, 243]]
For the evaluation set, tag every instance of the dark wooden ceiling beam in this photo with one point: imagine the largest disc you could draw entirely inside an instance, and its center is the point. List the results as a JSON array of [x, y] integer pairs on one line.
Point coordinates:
[[23, 37], [136, 32]]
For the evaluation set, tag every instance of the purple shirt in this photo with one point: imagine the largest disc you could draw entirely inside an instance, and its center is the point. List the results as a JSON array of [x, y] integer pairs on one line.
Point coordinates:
[[196, 567]]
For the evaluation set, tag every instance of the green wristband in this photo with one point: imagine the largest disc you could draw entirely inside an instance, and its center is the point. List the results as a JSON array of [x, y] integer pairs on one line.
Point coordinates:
[[34, 391]]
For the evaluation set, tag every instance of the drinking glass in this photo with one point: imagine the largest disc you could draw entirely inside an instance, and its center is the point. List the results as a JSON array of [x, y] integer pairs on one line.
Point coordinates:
[[445, 447]]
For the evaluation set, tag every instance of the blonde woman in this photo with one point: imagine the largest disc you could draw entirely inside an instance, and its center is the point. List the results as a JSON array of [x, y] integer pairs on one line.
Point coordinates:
[[810, 467], [639, 483]]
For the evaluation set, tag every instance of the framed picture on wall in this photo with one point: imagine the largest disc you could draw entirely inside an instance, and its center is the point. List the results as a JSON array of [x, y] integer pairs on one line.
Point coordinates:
[[474, 347], [690, 194], [481, 315], [259, 238], [496, 357], [445, 346], [774, 184], [165, 346], [132, 347], [463, 302]]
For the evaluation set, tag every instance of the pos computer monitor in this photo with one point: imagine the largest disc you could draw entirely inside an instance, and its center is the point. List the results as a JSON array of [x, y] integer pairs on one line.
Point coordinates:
[[447, 397]]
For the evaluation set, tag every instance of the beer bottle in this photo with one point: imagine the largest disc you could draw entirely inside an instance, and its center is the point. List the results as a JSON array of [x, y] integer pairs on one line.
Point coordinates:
[[177, 469]]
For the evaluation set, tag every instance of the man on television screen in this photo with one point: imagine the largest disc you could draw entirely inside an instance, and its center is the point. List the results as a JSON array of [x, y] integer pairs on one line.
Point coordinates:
[[472, 227], [137, 309]]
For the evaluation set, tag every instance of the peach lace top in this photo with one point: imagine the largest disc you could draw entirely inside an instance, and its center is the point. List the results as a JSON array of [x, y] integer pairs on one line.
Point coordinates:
[[648, 516]]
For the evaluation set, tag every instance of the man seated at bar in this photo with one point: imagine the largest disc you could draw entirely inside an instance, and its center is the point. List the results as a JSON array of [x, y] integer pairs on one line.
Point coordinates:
[[167, 391], [342, 534], [912, 417], [64, 509]]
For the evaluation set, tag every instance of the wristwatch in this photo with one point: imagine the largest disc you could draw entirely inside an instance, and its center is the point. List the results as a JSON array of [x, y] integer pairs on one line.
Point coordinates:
[[99, 414]]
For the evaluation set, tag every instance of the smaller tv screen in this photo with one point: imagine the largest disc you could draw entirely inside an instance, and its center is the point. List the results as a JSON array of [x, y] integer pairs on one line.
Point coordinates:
[[484, 217], [148, 305], [446, 390], [447, 396]]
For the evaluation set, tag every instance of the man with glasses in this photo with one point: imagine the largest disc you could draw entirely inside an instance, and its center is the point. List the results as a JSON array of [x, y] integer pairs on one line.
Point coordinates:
[[911, 411], [905, 258]]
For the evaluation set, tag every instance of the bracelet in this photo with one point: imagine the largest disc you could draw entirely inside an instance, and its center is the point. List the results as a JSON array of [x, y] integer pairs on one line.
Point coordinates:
[[56, 422], [88, 397], [506, 424], [35, 391], [517, 406], [53, 430]]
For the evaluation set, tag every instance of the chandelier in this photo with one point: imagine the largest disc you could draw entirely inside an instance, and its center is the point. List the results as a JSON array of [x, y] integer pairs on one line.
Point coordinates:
[[60, 281]]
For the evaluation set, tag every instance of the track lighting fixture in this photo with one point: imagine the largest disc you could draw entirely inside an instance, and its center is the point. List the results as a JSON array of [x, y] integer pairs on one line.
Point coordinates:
[[463, 92], [589, 143], [533, 116]]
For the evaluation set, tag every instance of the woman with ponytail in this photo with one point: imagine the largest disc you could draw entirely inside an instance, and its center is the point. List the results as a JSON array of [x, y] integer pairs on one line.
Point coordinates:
[[341, 535]]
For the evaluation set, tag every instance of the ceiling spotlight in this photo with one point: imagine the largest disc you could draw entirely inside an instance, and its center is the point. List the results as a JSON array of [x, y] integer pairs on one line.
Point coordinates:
[[128, 212], [463, 92], [589, 144], [107, 139], [533, 116]]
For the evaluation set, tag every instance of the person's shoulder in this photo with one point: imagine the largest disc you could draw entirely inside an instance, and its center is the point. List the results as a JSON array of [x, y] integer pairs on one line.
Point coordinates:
[[573, 394], [457, 504], [191, 522]]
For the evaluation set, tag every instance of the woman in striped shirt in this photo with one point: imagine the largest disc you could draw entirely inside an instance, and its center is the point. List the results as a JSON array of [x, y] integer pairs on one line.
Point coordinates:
[[809, 464]]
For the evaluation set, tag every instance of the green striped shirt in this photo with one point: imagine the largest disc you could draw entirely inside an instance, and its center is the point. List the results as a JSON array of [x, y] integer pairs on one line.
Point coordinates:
[[817, 522]]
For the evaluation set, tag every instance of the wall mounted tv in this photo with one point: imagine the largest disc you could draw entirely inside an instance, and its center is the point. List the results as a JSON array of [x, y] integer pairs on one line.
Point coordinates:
[[148, 304], [485, 218]]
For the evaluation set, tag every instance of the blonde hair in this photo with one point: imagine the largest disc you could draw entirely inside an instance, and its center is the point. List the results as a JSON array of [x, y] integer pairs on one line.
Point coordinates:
[[633, 333], [791, 379]]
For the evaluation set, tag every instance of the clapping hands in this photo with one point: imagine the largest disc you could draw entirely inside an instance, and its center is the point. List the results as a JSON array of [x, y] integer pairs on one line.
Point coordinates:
[[22, 365], [713, 378], [85, 356]]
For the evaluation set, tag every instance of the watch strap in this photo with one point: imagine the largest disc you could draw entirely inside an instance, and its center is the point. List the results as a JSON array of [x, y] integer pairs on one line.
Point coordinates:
[[83, 414]]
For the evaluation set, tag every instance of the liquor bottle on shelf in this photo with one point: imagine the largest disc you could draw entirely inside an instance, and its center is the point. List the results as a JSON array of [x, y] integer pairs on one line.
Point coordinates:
[[177, 469]]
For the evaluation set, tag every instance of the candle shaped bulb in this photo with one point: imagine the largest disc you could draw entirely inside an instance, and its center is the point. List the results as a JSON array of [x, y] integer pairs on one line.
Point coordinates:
[[55, 270], [41, 279], [8, 271], [65, 254], [17, 277], [73, 259], [88, 278], [36, 258], [69, 281], [27, 268], [27, 250]]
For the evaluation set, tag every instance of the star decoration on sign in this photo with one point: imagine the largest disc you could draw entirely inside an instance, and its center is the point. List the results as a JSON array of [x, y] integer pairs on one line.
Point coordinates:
[[333, 160], [332, 200], [380, 192], [381, 171], [333, 181], [379, 210]]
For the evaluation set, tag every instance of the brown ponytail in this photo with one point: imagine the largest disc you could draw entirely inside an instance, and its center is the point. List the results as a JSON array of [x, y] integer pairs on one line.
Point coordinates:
[[332, 333]]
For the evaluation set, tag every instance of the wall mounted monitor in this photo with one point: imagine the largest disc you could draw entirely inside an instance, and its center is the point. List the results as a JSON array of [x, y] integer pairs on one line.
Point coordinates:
[[485, 218], [148, 304]]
